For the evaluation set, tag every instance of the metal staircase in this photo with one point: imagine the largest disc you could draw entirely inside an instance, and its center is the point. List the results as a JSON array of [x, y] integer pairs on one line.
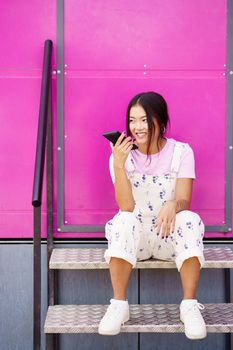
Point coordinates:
[[157, 318]]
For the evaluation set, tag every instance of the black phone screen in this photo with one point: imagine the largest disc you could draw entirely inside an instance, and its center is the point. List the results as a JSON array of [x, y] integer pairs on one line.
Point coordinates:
[[113, 136]]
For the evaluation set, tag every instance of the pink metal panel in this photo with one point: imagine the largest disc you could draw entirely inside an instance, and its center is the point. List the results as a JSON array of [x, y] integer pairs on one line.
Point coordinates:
[[129, 34], [114, 50], [87, 152], [24, 26], [107, 45], [19, 119]]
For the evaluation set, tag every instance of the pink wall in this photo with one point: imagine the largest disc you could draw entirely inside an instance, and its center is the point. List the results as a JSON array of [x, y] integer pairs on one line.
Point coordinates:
[[113, 50], [24, 26]]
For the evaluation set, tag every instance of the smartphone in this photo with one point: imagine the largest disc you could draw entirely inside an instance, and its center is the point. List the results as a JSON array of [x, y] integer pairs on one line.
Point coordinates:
[[113, 136]]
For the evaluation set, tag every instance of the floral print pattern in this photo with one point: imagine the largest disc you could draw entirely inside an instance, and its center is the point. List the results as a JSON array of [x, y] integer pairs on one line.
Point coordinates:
[[133, 234]]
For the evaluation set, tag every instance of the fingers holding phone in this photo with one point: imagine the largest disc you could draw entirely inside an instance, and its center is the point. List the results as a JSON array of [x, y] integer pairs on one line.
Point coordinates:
[[124, 143], [121, 150], [120, 145], [120, 139]]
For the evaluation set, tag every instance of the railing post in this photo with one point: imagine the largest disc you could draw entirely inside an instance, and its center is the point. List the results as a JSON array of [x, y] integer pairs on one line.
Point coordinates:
[[227, 275], [37, 191], [37, 279], [50, 339]]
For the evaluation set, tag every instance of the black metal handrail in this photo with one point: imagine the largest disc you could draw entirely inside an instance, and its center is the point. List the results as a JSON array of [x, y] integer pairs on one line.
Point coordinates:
[[42, 125], [44, 133]]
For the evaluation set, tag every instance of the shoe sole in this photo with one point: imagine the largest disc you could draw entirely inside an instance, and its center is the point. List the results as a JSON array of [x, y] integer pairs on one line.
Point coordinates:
[[195, 338], [103, 332], [192, 336]]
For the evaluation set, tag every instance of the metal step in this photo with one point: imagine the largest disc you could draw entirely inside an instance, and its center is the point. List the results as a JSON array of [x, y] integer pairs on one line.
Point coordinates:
[[93, 258], [159, 318]]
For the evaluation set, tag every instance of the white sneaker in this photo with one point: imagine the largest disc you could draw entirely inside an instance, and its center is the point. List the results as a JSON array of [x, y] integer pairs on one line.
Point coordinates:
[[191, 316], [117, 313]]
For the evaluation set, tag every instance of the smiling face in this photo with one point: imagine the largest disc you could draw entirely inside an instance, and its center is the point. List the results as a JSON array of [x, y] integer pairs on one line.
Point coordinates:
[[138, 126], [146, 121]]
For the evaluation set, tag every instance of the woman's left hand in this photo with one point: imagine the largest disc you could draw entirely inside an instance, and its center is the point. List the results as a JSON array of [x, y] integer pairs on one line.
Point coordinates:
[[166, 218]]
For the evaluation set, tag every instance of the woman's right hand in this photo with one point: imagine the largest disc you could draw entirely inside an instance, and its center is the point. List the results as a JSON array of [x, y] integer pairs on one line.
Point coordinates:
[[121, 151]]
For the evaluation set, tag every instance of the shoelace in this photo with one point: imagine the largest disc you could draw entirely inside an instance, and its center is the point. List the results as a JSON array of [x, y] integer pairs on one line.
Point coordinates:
[[195, 307]]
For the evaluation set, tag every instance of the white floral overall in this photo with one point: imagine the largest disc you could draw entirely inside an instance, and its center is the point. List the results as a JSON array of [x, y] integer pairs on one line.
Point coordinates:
[[131, 235]]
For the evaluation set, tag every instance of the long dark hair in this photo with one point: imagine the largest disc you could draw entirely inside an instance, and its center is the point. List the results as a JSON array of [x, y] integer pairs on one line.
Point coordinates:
[[155, 107]]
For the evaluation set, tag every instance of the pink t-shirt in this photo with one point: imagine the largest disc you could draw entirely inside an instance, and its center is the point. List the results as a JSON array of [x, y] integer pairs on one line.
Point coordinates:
[[161, 161]]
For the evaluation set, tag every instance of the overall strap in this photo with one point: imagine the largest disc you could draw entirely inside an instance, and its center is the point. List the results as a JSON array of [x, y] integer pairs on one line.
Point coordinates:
[[176, 158]]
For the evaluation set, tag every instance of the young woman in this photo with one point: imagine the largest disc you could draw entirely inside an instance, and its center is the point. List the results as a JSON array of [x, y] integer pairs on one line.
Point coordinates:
[[153, 187]]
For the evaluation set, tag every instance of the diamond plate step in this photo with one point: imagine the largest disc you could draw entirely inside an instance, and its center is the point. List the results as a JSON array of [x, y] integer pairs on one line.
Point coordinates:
[[160, 318], [93, 258]]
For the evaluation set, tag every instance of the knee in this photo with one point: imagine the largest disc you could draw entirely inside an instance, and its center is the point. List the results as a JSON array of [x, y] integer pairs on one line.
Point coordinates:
[[185, 213], [188, 216], [127, 215], [187, 221], [123, 220], [122, 216]]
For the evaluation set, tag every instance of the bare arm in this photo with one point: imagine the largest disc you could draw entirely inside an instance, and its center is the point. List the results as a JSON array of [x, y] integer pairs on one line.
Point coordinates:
[[123, 190], [183, 193]]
